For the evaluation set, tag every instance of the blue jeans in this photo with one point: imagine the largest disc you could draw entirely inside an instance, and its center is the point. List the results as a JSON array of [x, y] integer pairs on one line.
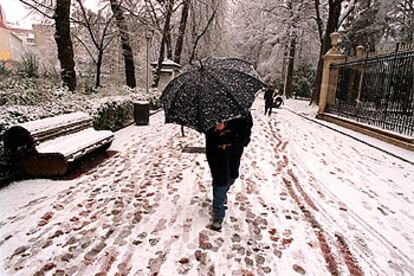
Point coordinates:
[[224, 170], [220, 199]]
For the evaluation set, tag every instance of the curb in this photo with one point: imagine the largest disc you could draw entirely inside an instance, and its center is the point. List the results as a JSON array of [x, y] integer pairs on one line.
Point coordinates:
[[155, 111], [351, 136]]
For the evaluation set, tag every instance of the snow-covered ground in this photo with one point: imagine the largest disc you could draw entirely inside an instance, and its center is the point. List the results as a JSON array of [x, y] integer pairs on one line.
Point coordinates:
[[302, 108], [309, 201]]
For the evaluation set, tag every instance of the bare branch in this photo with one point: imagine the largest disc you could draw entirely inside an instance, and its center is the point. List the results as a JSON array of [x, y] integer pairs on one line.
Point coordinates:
[[346, 13], [87, 23], [154, 18], [104, 32], [37, 9], [85, 46], [108, 42], [200, 35]]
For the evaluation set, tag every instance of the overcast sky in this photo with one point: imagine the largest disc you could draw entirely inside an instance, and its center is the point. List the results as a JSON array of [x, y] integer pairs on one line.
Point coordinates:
[[15, 11]]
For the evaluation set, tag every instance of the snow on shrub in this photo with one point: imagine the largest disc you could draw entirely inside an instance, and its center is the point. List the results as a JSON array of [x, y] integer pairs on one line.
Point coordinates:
[[114, 113]]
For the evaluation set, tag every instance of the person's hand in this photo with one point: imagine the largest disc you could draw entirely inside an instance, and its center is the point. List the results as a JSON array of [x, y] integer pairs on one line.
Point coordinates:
[[220, 126]]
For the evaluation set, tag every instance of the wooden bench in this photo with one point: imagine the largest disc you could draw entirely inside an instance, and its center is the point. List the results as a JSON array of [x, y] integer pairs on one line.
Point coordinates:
[[48, 146]]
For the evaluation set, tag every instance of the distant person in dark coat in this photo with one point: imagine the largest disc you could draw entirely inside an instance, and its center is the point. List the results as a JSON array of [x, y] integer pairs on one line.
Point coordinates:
[[224, 148], [268, 97]]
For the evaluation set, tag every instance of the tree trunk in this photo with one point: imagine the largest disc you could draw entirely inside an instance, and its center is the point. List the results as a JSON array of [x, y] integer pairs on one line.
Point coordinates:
[[199, 36], [165, 33], [319, 21], [125, 44], [318, 81], [168, 43], [98, 69], [289, 73], [284, 64], [181, 32], [331, 26], [64, 43]]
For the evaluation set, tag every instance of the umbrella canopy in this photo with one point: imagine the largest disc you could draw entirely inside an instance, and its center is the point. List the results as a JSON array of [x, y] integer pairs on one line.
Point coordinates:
[[224, 62], [202, 98]]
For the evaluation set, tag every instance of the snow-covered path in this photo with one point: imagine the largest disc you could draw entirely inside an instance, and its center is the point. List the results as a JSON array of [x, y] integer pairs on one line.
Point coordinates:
[[309, 201]]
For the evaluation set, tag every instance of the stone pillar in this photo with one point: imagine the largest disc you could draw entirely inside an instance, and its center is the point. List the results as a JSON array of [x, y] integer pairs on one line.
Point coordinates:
[[332, 56], [165, 76], [360, 51], [333, 83], [169, 70]]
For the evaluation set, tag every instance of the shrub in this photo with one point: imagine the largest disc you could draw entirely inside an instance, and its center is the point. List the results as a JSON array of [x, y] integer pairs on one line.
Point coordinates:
[[114, 114], [4, 71], [28, 66], [303, 81], [26, 91]]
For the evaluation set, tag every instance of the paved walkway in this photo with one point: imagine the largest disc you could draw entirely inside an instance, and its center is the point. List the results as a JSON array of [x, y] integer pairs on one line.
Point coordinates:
[[309, 201]]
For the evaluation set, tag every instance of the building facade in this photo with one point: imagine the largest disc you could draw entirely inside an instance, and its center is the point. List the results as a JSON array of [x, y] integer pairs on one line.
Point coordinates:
[[14, 41]]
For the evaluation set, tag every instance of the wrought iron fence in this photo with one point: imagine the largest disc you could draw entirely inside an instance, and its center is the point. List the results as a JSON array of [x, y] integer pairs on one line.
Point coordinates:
[[376, 90]]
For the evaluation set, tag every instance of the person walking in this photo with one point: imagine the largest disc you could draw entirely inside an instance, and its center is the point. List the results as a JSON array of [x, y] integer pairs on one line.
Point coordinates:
[[225, 144], [268, 97]]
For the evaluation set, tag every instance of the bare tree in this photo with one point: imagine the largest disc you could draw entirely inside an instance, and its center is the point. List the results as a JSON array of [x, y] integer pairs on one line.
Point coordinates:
[[332, 25], [166, 32], [400, 18], [168, 44], [198, 30], [181, 32], [98, 26], [297, 11], [60, 14], [267, 34], [125, 43], [64, 43], [294, 18], [289, 72]]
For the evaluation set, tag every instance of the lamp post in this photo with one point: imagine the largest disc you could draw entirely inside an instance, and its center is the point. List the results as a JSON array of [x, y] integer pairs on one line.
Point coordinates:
[[148, 36]]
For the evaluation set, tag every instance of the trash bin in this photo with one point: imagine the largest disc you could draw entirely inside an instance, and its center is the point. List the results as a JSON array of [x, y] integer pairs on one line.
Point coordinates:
[[141, 113]]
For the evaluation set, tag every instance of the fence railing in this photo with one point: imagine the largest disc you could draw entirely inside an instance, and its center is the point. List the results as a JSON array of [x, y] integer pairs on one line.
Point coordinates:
[[377, 90]]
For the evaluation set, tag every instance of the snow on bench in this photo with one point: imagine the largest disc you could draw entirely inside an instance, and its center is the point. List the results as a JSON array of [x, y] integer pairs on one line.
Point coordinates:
[[54, 126], [46, 147], [75, 145]]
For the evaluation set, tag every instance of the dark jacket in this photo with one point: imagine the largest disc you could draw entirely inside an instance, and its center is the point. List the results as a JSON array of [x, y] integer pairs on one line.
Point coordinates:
[[233, 137], [224, 149], [268, 96]]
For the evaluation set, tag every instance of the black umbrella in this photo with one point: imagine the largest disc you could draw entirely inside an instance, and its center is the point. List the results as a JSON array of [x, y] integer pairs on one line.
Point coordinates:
[[224, 62], [202, 98]]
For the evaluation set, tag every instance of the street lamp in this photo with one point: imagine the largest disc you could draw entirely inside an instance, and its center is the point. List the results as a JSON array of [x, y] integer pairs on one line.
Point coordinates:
[[148, 36]]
